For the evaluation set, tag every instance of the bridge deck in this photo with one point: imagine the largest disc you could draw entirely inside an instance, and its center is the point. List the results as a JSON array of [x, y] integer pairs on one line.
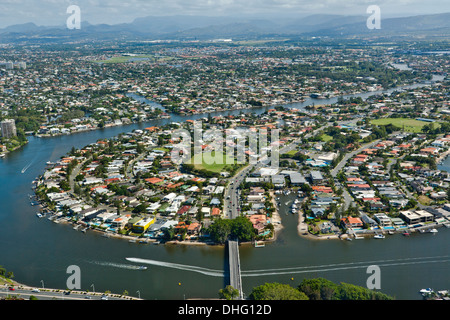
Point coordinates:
[[235, 266]]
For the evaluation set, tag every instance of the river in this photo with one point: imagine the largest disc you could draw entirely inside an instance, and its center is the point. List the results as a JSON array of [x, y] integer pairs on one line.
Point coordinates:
[[39, 251]]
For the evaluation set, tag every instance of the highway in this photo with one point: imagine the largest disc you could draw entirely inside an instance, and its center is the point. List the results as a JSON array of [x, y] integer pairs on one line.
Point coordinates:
[[25, 292]]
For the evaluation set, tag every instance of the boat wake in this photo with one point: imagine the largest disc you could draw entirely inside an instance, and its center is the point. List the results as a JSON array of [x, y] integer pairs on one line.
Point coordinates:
[[26, 167], [280, 271], [205, 271], [344, 266], [117, 265]]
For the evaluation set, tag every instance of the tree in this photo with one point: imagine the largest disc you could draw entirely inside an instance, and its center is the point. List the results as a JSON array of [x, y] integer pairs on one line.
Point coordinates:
[[276, 291], [220, 230], [242, 228], [317, 289], [229, 293]]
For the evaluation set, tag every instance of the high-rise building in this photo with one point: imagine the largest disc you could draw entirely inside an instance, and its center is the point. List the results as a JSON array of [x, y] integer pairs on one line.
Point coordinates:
[[21, 65], [8, 128]]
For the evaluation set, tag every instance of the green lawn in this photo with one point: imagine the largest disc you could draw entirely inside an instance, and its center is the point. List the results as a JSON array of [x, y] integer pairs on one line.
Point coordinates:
[[212, 162], [406, 124], [292, 153], [326, 138]]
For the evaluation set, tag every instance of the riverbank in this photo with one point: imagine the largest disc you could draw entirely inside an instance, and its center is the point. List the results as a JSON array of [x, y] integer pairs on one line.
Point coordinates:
[[4, 153], [442, 157], [276, 218], [106, 126]]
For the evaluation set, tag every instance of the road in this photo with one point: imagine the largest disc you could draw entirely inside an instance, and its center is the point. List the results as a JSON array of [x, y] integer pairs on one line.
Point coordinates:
[[57, 294], [232, 192], [348, 156]]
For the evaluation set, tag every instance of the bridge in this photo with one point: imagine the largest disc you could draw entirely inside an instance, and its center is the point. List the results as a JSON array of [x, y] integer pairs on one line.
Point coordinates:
[[235, 266]]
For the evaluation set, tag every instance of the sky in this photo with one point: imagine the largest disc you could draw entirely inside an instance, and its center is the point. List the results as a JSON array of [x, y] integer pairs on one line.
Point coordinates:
[[54, 12]]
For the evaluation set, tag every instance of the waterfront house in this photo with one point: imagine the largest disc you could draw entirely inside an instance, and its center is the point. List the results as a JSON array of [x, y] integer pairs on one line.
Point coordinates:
[[368, 221], [351, 222], [383, 219], [415, 217], [143, 224]]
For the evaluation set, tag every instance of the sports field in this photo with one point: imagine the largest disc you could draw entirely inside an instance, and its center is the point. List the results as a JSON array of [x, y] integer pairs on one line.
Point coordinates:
[[406, 124], [211, 161]]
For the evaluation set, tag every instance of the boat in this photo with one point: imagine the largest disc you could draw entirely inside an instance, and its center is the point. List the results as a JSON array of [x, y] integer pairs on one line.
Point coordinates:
[[426, 291], [406, 233], [379, 236], [142, 268], [433, 230], [39, 215], [317, 96]]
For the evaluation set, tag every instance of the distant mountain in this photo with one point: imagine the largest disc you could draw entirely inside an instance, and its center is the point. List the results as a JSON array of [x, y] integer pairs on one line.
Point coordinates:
[[438, 24], [208, 28]]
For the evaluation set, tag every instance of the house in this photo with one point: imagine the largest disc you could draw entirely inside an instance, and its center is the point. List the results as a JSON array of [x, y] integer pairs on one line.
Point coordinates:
[[383, 219], [429, 151], [194, 228], [297, 179], [351, 222], [143, 224], [368, 220], [259, 222], [278, 181], [416, 217], [316, 177], [120, 221], [255, 198]]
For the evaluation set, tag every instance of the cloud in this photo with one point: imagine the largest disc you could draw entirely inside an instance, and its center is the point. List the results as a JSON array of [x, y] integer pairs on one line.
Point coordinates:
[[53, 12]]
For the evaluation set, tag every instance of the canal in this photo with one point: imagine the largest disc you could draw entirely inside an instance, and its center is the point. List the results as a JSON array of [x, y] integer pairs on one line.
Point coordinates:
[[39, 251]]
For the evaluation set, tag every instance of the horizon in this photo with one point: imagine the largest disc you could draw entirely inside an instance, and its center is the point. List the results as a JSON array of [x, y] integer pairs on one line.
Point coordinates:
[[45, 13], [63, 24]]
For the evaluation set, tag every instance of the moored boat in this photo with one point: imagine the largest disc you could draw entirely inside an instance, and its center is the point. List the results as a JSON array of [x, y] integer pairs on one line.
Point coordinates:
[[379, 236]]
